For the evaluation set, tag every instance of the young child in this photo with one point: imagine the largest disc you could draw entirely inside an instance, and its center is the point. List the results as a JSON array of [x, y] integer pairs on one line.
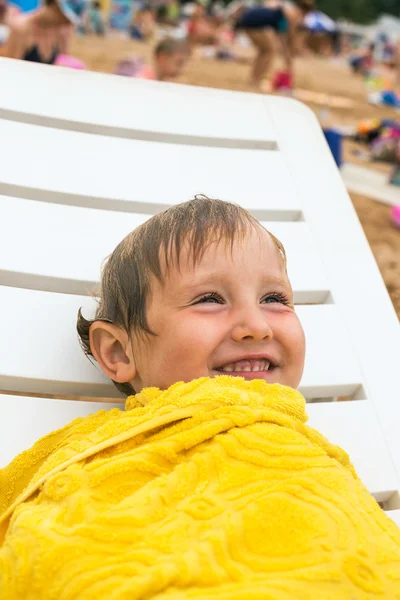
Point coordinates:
[[210, 484], [170, 56]]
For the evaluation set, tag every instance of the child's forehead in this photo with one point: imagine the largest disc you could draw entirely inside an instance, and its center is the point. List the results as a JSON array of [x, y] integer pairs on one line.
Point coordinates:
[[254, 239], [255, 246]]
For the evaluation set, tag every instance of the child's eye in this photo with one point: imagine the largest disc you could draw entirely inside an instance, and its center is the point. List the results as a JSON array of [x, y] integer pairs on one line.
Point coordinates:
[[276, 297], [210, 298]]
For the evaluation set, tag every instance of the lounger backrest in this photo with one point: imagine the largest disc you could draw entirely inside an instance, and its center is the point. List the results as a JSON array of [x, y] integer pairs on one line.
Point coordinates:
[[85, 158]]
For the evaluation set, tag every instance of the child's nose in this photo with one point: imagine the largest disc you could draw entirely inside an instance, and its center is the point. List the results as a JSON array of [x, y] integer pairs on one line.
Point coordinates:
[[252, 325]]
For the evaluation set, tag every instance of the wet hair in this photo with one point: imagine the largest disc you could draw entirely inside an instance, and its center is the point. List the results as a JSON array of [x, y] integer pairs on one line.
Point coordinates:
[[171, 46], [151, 250]]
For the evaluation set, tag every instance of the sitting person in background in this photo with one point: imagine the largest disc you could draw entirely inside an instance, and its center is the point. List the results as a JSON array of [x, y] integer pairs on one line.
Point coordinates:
[[362, 61], [170, 57], [93, 20], [201, 29], [45, 33], [143, 24]]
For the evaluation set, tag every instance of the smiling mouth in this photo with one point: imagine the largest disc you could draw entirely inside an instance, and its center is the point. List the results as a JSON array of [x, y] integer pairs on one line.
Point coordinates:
[[247, 366]]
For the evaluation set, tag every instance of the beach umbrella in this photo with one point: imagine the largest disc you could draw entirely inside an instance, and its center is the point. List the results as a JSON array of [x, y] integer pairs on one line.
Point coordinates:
[[317, 21]]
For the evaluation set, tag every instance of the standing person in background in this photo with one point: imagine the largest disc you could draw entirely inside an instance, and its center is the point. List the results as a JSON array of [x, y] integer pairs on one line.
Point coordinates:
[[93, 20], [266, 26], [42, 35]]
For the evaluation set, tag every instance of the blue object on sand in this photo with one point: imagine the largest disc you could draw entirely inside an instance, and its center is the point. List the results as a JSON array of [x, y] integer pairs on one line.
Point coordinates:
[[334, 139], [390, 98]]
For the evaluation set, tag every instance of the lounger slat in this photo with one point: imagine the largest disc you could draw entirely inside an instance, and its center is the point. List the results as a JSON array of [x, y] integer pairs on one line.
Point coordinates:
[[133, 108], [47, 358], [40, 417], [62, 255], [395, 516], [70, 167], [354, 427]]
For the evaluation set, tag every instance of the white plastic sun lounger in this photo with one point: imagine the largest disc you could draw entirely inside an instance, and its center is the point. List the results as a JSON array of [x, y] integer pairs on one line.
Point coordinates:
[[85, 157]]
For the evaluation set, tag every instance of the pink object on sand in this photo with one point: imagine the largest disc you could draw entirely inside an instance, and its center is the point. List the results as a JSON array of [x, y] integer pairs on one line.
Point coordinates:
[[63, 60], [396, 215]]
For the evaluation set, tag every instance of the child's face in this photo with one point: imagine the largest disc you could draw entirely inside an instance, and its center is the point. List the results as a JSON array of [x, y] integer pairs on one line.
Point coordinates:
[[230, 314], [170, 67]]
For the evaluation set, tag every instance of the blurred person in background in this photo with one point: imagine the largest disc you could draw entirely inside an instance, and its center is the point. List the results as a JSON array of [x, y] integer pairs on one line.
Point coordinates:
[[363, 60], [93, 19], [40, 36], [267, 26], [201, 28], [143, 23], [8, 12], [397, 63], [168, 13], [170, 57]]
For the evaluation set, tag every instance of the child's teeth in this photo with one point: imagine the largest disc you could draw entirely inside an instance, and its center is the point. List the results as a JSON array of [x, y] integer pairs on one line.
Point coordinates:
[[247, 366]]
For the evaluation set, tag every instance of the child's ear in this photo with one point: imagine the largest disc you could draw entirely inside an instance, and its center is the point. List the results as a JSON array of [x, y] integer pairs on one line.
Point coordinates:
[[111, 347]]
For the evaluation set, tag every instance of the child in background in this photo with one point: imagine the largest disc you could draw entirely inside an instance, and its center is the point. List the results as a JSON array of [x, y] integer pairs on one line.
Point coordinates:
[[210, 484], [170, 57]]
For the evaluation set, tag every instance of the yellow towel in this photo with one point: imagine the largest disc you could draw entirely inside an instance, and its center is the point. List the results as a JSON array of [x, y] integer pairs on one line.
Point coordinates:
[[213, 489]]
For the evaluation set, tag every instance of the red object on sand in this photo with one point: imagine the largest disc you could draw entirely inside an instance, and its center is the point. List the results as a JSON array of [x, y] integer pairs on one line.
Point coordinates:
[[282, 81]]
